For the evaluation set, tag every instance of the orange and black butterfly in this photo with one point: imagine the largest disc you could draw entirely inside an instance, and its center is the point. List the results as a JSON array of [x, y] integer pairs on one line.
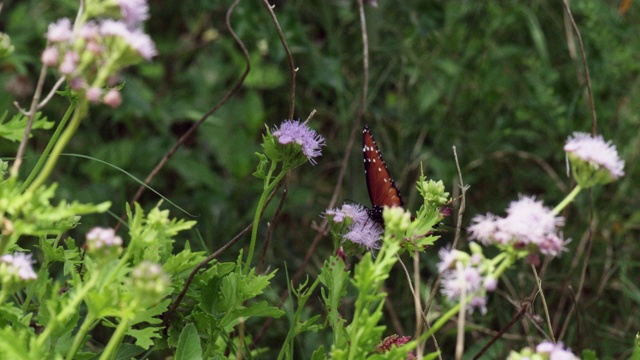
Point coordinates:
[[382, 189]]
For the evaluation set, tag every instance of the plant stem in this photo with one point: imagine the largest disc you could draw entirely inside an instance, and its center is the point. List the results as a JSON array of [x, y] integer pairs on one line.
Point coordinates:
[[110, 351], [572, 195], [268, 187], [88, 324], [67, 311], [47, 150], [59, 146]]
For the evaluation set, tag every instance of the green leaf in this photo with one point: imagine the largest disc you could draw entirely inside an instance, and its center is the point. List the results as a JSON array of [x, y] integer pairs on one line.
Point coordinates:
[[189, 347], [13, 129], [144, 337]]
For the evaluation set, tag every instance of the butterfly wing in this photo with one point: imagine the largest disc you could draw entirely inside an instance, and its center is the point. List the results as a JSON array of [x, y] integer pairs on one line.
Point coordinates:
[[382, 189]]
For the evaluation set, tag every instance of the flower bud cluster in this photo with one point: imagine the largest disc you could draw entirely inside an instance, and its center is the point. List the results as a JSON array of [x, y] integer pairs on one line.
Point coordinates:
[[91, 52]]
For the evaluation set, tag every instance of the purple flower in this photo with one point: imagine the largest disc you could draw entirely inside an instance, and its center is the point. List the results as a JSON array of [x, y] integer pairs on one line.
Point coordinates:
[[528, 223], [356, 212], [462, 277], [89, 31], [301, 134], [136, 39], [595, 151], [60, 31], [362, 231], [366, 234], [93, 94], [448, 259], [50, 56], [134, 11], [17, 266], [103, 237], [69, 63], [555, 351]]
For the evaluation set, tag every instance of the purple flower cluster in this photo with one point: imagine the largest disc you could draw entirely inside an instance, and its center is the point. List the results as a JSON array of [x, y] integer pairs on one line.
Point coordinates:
[[362, 231], [83, 51], [299, 133], [528, 224], [595, 152], [466, 273], [545, 350], [103, 243], [17, 267]]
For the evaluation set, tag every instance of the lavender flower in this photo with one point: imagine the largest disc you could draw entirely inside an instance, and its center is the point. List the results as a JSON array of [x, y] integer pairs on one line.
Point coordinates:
[[60, 31], [103, 243], [594, 161], [137, 40], [555, 351], [134, 11], [299, 133], [529, 224], [361, 230], [16, 268], [149, 282], [545, 350], [471, 273]]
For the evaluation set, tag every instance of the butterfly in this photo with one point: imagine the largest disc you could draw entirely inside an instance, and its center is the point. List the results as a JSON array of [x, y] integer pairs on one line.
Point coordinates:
[[382, 189]]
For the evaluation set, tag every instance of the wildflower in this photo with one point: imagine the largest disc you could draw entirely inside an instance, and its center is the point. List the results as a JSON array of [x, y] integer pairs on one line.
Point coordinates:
[[356, 212], [136, 40], [357, 226], [448, 257], [103, 243], [134, 11], [555, 351], [16, 271], [93, 94], [149, 282], [545, 350], [528, 224], [366, 234], [69, 63], [113, 98], [462, 278], [299, 133], [60, 31], [593, 160], [468, 274], [50, 56]]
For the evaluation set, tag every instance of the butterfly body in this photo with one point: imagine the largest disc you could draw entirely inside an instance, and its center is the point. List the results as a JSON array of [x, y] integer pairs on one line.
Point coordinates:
[[382, 189]]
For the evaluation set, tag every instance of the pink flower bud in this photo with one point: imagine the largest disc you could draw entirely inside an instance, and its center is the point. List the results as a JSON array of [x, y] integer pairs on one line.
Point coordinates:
[[93, 94], [50, 56], [113, 98]]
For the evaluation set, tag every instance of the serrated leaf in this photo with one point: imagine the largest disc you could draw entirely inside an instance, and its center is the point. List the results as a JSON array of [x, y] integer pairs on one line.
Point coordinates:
[[144, 337], [13, 129]]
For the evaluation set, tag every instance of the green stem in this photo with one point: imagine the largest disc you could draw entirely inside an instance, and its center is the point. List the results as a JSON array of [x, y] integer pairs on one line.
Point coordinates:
[[110, 351], [268, 187], [47, 150], [89, 323], [59, 146], [572, 195], [440, 323], [67, 311]]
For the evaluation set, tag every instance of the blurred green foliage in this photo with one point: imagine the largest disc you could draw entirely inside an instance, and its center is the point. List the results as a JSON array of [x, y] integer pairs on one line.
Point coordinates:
[[499, 80]]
